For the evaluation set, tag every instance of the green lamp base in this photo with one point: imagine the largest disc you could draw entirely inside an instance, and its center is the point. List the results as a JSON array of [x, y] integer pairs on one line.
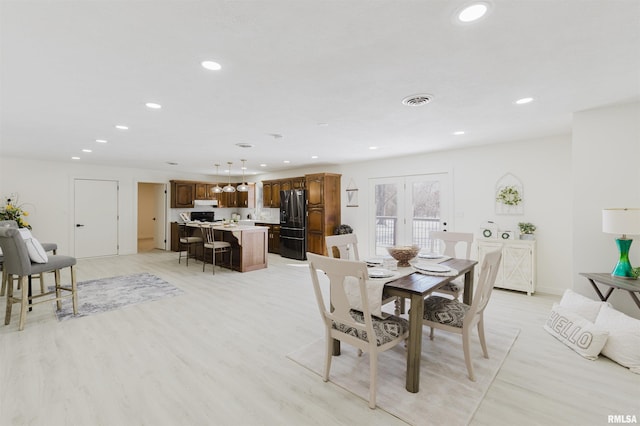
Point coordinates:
[[624, 269]]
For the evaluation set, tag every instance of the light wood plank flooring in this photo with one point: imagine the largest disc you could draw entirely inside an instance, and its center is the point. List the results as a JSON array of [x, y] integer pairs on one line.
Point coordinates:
[[216, 356]]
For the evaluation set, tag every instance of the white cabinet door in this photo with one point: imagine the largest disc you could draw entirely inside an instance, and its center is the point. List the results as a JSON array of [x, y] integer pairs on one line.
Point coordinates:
[[518, 264]]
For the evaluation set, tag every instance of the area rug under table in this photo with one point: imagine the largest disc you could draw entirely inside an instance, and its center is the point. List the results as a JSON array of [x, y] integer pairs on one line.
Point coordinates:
[[446, 396], [108, 294]]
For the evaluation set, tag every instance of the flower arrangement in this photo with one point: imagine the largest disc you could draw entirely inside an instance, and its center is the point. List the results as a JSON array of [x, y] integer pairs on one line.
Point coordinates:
[[526, 228], [509, 195], [14, 211]]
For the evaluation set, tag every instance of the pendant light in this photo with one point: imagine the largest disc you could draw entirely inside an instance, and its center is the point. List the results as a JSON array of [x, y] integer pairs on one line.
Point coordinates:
[[243, 187], [216, 189], [228, 187]]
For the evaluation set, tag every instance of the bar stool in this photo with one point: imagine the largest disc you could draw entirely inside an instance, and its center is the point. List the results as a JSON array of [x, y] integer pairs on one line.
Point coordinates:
[[210, 242], [186, 240]]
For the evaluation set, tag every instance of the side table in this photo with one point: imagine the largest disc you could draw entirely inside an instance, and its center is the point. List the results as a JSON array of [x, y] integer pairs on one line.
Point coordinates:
[[631, 286]]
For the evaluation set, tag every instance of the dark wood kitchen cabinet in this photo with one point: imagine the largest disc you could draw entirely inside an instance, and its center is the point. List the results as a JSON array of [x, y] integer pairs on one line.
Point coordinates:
[[182, 194], [204, 191], [323, 209]]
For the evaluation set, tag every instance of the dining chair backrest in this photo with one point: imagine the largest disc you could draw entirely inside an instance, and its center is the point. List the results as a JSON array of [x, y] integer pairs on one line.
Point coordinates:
[[344, 245], [486, 280], [208, 234], [337, 270], [451, 239], [14, 251]]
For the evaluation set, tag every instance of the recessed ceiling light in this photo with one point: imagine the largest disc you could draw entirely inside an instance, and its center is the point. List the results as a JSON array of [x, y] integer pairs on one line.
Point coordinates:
[[75, 158], [86, 150], [211, 65], [101, 140], [473, 12], [323, 124], [121, 127], [314, 156], [524, 101], [244, 145], [286, 161], [373, 147], [263, 165], [458, 133], [153, 105], [276, 135], [172, 163]]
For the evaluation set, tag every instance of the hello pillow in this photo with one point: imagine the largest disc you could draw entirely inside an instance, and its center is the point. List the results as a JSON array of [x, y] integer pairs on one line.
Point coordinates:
[[581, 305], [35, 249], [584, 337], [623, 345]]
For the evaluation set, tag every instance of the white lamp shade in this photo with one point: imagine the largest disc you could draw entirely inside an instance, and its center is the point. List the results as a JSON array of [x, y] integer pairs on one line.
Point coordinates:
[[621, 221]]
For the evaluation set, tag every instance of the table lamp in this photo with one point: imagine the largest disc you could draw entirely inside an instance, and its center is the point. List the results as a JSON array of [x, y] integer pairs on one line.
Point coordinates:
[[624, 221]]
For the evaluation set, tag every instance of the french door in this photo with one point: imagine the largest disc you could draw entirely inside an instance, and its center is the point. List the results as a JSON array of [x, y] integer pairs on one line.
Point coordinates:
[[406, 209]]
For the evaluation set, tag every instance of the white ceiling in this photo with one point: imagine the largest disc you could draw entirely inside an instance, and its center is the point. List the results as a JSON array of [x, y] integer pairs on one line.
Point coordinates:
[[71, 70]]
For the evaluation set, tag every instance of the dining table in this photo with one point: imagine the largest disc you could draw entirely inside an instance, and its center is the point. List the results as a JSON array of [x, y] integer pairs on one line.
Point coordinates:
[[415, 287]]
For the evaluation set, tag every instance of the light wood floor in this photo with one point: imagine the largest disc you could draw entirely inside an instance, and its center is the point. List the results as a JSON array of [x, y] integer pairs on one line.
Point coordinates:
[[216, 355]]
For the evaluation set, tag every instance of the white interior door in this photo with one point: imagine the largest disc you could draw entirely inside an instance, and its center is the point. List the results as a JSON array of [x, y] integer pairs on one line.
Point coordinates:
[[160, 199], [95, 218], [406, 209]]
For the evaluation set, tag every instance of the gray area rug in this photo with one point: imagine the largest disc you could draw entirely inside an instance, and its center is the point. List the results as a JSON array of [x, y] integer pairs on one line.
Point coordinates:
[[446, 396], [108, 294]]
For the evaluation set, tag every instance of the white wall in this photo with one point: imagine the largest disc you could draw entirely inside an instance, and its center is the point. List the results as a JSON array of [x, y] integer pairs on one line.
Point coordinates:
[[47, 189], [606, 152]]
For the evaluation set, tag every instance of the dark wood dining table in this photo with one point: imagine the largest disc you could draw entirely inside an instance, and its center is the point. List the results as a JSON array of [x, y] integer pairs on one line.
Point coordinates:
[[416, 287]]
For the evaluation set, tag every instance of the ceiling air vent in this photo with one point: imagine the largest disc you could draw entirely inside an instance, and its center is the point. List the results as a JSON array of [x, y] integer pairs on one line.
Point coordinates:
[[417, 100], [244, 145]]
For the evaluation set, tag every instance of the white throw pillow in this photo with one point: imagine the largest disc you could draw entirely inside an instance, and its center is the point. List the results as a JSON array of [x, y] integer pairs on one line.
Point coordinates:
[[623, 345], [35, 249], [576, 332], [581, 305]]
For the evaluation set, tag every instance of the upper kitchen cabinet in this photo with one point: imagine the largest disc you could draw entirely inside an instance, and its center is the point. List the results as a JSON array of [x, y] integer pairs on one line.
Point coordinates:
[[247, 199], [182, 194], [204, 191], [276, 186], [271, 189], [271, 193], [298, 182], [266, 193]]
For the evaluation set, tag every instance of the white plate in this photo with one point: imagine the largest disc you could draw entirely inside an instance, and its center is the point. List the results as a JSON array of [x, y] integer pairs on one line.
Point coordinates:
[[432, 268], [380, 273], [373, 261], [430, 256]]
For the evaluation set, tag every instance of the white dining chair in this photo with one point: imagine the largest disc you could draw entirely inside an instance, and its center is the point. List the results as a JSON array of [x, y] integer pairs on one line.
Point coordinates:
[[345, 246], [456, 317], [366, 332], [452, 240]]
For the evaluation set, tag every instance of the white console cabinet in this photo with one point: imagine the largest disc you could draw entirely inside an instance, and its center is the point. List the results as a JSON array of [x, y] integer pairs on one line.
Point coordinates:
[[518, 264]]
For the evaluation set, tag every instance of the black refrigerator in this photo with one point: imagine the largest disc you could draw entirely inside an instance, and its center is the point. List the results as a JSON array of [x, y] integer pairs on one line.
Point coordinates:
[[293, 224]]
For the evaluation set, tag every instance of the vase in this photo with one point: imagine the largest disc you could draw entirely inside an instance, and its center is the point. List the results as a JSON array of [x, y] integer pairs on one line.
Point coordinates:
[[527, 237]]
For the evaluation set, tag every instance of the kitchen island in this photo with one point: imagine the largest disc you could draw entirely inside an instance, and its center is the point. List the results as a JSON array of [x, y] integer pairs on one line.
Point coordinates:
[[248, 244]]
